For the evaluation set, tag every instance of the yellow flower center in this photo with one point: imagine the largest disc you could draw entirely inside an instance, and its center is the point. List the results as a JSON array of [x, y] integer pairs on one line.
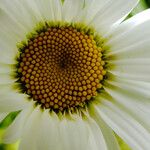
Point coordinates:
[[61, 68]]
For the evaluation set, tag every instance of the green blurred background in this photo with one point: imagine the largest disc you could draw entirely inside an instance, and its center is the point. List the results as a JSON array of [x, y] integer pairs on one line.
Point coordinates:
[[144, 4]]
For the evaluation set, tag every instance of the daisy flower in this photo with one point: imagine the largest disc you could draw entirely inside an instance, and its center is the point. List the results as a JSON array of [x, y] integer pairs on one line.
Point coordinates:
[[76, 72]]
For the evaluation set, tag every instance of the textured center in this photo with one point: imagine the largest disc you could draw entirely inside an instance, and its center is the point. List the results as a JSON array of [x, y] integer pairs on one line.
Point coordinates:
[[61, 68]]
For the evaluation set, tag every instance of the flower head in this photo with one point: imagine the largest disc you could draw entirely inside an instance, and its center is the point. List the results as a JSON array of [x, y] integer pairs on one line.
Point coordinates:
[[76, 72], [61, 68]]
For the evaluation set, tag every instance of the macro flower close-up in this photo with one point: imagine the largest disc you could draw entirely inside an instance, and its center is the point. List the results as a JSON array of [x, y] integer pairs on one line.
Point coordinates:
[[77, 74]]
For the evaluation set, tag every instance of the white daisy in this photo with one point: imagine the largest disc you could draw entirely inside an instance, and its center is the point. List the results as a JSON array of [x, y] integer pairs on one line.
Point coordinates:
[[76, 73]]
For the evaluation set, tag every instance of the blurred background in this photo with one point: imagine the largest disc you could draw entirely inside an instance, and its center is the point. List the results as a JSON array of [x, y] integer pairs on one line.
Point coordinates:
[[144, 4]]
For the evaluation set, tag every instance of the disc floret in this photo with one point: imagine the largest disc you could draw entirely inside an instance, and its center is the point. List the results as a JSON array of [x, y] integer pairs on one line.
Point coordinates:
[[61, 67]]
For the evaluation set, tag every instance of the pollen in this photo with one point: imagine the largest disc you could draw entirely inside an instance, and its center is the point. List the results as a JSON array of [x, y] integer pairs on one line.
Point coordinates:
[[61, 68]]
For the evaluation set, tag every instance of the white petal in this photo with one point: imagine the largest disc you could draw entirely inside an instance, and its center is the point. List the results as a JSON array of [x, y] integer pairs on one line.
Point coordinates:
[[46, 9], [12, 101], [57, 9], [64, 134], [129, 46], [129, 24], [92, 7], [131, 99], [125, 126], [138, 49], [96, 136], [74, 134], [2, 116], [32, 7], [112, 13], [48, 135], [140, 88], [40, 10], [10, 35], [71, 9], [34, 11], [15, 130], [131, 36], [29, 137], [107, 132], [135, 69], [5, 68], [6, 78], [21, 13]]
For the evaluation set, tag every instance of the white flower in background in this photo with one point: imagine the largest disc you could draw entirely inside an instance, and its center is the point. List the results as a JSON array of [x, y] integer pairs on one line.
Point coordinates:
[[77, 73]]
